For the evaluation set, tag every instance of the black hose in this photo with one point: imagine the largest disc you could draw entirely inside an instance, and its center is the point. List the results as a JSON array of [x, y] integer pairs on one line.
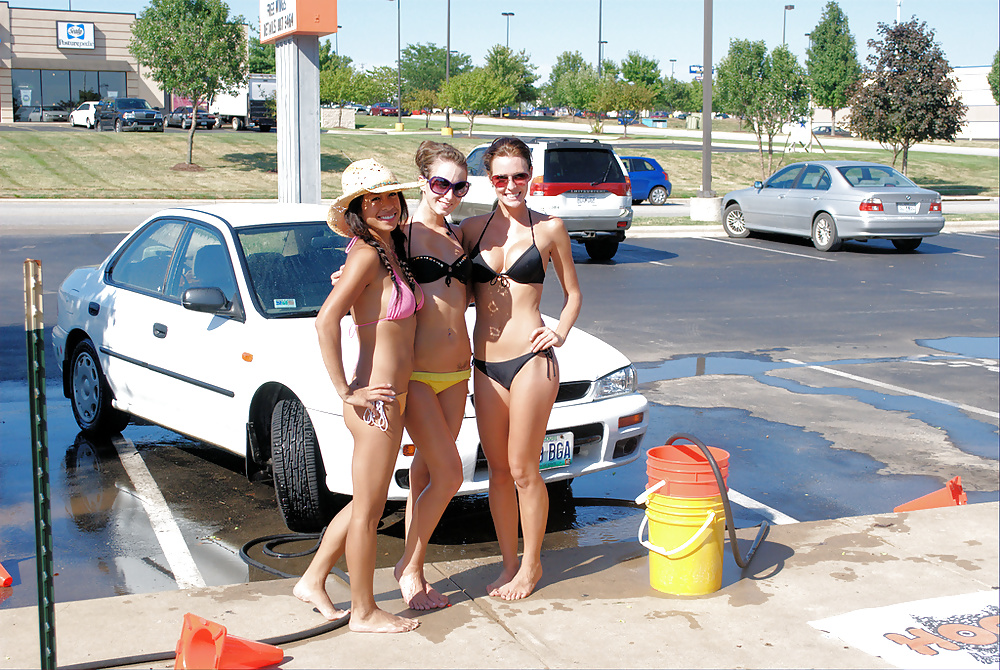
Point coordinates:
[[765, 527]]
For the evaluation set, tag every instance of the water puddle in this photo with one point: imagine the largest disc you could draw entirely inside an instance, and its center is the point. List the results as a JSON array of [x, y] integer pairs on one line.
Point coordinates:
[[973, 347]]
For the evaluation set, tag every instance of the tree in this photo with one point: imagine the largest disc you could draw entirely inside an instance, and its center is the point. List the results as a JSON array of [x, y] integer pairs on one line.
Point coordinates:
[[422, 66], [261, 59], [639, 69], [766, 90], [907, 95], [330, 59], [192, 48], [994, 78], [568, 64], [832, 60], [675, 94], [629, 99], [421, 99], [575, 90], [476, 92], [514, 70]]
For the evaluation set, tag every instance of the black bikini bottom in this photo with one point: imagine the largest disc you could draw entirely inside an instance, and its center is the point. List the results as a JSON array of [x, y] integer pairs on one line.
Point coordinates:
[[503, 372]]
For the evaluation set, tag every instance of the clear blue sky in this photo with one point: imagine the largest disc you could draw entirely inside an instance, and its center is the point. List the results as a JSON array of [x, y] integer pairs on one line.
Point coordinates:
[[967, 30]]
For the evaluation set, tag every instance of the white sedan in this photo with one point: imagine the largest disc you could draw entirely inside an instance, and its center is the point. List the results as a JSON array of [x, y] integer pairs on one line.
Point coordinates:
[[84, 114], [202, 321]]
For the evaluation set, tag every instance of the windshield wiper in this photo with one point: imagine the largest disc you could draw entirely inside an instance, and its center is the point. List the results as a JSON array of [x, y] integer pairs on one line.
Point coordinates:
[[611, 161]]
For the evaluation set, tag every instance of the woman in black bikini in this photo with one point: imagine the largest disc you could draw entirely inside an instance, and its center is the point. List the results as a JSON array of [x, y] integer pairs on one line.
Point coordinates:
[[439, 384], [517, 376]]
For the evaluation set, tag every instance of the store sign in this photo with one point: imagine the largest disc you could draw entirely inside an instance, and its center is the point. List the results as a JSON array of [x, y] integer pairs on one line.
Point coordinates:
[[283, 18], [73, 35], [277, 19]]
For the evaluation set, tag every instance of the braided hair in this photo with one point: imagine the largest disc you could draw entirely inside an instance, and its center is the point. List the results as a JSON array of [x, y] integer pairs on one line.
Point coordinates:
[[360, 229]]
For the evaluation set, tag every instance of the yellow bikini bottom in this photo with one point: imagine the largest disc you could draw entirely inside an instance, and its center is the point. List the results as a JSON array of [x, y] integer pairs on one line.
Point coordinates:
[[439, 381]]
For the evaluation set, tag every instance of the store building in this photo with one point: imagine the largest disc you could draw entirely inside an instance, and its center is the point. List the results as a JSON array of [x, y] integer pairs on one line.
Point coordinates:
[[62, 58]]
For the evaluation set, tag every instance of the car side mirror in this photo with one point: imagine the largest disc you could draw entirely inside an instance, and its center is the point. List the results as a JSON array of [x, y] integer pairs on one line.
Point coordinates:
[[211, 300], [758, 185]]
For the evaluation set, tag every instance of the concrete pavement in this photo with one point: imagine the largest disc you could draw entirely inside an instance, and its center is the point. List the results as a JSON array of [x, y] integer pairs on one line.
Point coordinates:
[[594, 607]]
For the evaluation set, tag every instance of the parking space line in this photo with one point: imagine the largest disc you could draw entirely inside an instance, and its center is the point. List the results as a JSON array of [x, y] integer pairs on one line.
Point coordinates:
[[773, 251], [769, 513], [168, 534], [897, 389], [959, 253]]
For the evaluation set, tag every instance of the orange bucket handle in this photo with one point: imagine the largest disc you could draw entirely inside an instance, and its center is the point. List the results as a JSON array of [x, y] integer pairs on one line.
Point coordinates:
[[644, 496], [709, 520]]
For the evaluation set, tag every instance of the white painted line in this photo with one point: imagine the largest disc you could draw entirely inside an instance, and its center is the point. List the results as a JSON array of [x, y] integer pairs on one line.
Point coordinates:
[[773, 251], [664, 265], [959, 253], [898, 389], [168, 534], [769, 513]]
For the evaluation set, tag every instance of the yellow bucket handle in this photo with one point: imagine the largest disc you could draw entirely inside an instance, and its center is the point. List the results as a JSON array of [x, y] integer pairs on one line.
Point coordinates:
[[709, 520], [644, 496]]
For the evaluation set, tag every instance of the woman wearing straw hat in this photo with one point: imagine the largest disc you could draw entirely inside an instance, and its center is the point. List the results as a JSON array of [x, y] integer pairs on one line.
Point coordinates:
[[517, 376], [378, 291]]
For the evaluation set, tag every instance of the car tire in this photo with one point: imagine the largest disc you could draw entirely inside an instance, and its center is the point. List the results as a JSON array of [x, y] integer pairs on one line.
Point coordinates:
[[636, 202], [236, 123], [90, 124], [658, 195], [97, 126], [601, 248], [118, 125], [90, 394], [824, 233], [908, 244], [733, 222], [299, 476]]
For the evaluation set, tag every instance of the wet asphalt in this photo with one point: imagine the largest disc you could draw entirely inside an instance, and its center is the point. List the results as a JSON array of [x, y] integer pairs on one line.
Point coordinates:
[[744, 344]]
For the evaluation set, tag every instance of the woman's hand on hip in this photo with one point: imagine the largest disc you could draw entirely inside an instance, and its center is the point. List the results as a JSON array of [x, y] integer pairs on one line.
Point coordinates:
[[367, 396], [545, 338]]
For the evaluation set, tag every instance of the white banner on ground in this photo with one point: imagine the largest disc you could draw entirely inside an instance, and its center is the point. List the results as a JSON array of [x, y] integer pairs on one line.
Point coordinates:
[[950, 632]]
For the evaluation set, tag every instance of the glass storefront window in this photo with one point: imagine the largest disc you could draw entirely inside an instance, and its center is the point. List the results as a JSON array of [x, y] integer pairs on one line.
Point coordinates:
[[55, 89], [112, 85], [83, 86], [26, 86], [62, 88]]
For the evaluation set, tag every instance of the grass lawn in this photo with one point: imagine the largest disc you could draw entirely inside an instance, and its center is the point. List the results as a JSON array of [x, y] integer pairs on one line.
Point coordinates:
[[244, 165]]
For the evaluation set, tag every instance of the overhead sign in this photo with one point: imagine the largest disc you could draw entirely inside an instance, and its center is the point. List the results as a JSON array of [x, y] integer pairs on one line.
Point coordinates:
[[74, 35], [281, 18], [695, 69]]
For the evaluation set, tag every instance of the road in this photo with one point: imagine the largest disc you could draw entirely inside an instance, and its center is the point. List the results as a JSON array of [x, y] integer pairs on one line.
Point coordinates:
[[841, 384]]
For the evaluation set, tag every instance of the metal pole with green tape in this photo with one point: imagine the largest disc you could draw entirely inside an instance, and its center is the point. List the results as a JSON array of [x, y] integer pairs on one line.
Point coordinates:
[[34, 325]]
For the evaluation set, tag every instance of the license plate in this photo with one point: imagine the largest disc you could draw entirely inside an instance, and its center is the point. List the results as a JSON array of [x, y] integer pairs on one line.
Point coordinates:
[[557, 451], [590, 200], [908, 209]]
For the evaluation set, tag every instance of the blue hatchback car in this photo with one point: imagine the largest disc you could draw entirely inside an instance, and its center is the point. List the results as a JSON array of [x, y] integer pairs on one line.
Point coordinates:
[[649, 181]]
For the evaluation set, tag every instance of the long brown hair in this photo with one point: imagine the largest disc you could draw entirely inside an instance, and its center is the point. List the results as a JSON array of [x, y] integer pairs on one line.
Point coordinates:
[[430, 152], [360, 229], [506, 146]]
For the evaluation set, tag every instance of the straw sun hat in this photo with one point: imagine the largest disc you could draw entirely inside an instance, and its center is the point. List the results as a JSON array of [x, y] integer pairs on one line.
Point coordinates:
[[360, 177]]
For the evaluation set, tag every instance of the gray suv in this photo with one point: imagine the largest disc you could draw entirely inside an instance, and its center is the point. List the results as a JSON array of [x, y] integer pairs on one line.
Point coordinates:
[[583, 182], [126, 114]]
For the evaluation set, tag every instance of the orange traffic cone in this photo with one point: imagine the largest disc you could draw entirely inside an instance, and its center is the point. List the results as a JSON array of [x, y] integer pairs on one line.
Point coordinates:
[[5, 578], [206, 644], [951, 494]]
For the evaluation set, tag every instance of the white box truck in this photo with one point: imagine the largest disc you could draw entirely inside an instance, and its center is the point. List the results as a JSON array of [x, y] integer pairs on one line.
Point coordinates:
[[251, 107]]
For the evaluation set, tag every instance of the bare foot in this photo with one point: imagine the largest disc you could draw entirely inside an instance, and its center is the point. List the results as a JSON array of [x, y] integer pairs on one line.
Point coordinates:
[[437, 598], [521, 585], [380, 621], [508, 574], [413, 588], [320, 599]]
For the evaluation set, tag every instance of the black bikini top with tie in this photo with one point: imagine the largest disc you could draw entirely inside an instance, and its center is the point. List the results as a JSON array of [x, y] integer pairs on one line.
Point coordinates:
[[427, 269], [527, 269]]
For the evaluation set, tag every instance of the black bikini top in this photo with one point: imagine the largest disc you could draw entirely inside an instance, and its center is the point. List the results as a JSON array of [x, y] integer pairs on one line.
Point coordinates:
[[427, 269], [527, 269]]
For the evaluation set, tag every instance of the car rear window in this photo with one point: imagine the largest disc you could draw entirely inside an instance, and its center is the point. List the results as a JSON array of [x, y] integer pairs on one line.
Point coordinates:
[[865, 176], [588, 165]]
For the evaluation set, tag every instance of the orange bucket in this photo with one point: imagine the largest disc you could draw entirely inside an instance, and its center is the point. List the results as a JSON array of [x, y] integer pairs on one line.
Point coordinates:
[[685, 471]]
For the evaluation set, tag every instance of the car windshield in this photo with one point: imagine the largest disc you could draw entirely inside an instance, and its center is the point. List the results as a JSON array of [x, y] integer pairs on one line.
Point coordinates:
[[879, 176], [597, 166], [290, 266], [133, 103]]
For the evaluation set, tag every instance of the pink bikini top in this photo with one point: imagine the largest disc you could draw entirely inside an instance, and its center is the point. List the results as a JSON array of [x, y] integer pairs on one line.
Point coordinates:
[[402, 302]]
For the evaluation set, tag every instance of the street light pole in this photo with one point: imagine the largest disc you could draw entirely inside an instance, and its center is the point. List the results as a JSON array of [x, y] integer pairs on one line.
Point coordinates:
[[784, 14], [336, 42], [600, 42], [508, 15], [399, 64], [672, 61], [447, 70]]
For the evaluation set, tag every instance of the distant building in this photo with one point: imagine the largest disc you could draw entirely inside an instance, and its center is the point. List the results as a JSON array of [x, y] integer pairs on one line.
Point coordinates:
[[62, 57]]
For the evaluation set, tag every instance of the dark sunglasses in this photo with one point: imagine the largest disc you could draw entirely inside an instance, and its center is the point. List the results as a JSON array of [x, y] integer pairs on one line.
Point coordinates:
[[440, 186], [500, 180]]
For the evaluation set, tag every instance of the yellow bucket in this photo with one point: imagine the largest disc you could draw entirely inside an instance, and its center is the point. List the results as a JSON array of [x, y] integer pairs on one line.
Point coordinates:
[[685, 544]]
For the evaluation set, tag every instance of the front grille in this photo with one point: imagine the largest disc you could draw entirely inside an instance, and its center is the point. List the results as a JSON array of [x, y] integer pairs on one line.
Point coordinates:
[[583, 436], [572, 391]]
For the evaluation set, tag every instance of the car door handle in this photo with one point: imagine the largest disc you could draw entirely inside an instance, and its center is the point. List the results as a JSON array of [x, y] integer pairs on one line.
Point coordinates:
[[159, 330], [94, 309]]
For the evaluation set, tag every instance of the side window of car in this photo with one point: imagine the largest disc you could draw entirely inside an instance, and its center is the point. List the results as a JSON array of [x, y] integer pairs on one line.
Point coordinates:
[[143, 264], [475, 162], [784, 178], [643, 166], [203, 261], [815, 178]]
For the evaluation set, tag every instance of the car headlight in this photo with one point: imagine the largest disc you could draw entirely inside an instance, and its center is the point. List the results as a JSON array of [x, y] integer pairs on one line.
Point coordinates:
[[128, 115], [619, 382]]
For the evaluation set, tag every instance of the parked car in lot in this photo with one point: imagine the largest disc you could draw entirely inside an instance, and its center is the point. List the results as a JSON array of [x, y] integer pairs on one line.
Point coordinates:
[[84, 114], [827, 130], [202, 320], [383, 109], [583, 182], [181, 116], [127, 114], [46, 113], [833, 201], [649, 180]]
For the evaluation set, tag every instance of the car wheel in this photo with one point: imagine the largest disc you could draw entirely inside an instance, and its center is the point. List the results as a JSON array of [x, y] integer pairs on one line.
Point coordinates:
[[118, 125], [299, 475], [236, 123], [909, 244], [658, 195], [601, 248], [97, 126], [733, 222], [824, 233], [90, 394]]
